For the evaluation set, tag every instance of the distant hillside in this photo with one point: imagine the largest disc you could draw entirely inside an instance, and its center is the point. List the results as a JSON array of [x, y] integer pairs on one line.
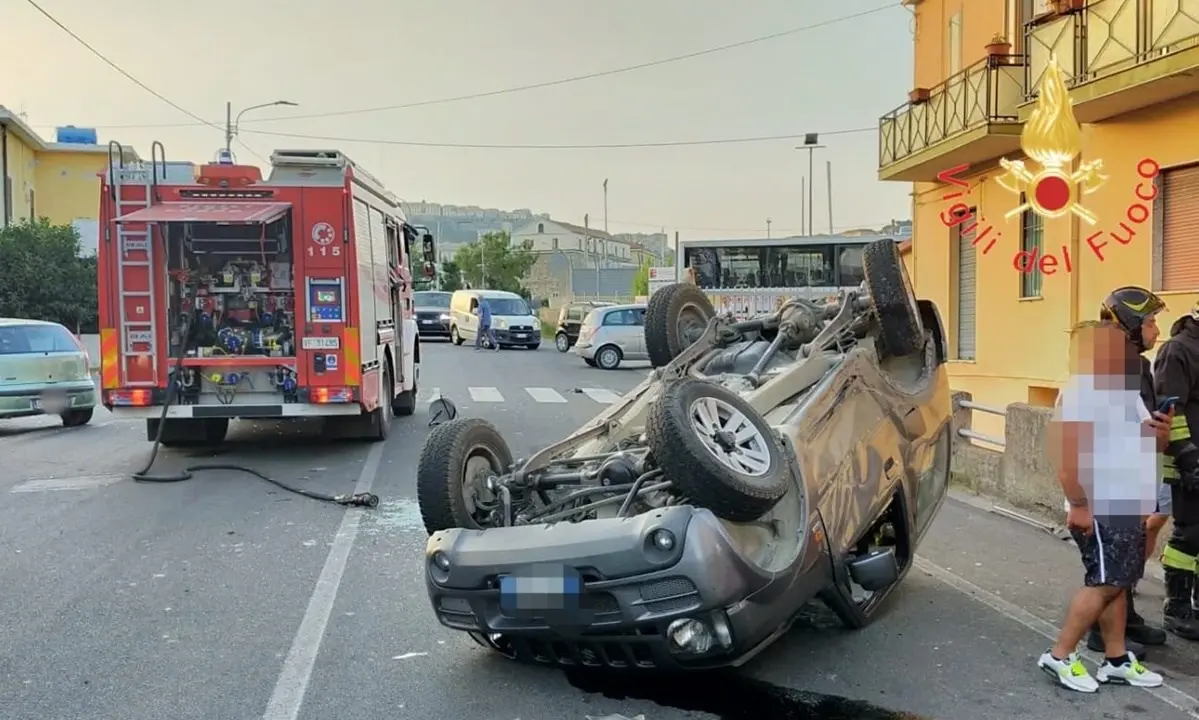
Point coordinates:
[[455, 225]]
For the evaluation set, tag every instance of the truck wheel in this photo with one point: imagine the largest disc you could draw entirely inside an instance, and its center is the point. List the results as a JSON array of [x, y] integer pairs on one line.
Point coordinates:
[[900, 330], [676, 316], [451, 475], [404, 404], [720, 453], [381, 416]]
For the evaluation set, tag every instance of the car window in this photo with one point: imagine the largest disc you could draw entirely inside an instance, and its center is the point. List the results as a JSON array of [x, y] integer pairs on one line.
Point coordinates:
[[593, 318], [429, 298], [621, 317], [27, 339], [639, 316], [575, 313], [508, 306]]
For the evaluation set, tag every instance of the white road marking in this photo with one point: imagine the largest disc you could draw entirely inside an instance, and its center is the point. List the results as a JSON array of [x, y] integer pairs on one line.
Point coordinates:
[[600, 395], [485, 394], [293, 681], [1168, 694], [85, 482], [545, 395]]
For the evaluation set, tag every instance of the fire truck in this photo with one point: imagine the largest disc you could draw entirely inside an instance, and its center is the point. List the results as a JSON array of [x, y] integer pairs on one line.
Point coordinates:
[[226, 296]]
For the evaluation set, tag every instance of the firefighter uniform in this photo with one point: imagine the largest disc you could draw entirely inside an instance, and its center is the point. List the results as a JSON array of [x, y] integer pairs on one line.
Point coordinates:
[[1176, 373]]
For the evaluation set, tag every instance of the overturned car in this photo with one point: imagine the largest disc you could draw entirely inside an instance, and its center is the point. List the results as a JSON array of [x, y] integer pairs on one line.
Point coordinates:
[[797, 455]]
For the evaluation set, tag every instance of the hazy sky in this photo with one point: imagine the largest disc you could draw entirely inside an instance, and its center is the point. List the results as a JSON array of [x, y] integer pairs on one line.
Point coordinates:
[[331, 55]]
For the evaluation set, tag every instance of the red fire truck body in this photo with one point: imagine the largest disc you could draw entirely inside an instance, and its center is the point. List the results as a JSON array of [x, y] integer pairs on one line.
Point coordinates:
[[276, 298]]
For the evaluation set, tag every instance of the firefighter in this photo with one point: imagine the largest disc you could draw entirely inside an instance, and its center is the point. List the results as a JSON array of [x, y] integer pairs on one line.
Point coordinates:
[[1176, 373], [1135, 311]]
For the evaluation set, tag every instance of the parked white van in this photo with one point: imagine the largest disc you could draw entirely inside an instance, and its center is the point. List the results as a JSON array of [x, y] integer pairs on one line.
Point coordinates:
[[514, 322]]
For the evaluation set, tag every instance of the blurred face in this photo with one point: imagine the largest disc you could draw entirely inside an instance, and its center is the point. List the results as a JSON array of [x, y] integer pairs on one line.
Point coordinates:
[[1104, 353], [1150, 332]]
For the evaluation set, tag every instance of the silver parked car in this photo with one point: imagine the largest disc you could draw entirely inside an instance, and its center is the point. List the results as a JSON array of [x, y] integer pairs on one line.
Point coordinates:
[[612, 334], [44, 371]]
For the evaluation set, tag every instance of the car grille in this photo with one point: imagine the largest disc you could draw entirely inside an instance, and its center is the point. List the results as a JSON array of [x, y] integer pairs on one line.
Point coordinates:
[[520, 328], [428, 316], [671, 595], [629, 651]]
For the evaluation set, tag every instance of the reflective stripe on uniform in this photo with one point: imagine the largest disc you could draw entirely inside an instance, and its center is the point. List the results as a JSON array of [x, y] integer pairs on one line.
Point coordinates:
[[1178, 560], [1179, 430]]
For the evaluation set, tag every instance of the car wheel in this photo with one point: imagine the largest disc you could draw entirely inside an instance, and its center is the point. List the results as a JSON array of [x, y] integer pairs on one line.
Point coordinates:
[[75, 418], [677, 316], [454, 336], [589, 361], [451, 475], [719, 452], [900, 330], [562, 342], [608, 357]]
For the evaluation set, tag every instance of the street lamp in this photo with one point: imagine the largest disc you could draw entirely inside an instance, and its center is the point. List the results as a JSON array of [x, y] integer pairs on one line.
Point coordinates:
[[810, 144], [232, 123]]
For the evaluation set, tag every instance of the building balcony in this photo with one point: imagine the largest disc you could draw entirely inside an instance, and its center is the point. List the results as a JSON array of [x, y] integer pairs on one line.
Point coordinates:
[[969, 118], [1118, 55]]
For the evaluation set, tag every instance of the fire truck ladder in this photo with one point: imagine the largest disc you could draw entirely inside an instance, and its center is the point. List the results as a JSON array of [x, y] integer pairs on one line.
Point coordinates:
[[135, 264]]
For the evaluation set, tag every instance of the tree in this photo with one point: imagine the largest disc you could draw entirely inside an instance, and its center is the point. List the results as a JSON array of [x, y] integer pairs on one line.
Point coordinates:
[[641, 280], [451, 276], [42, 276], [493, 263]]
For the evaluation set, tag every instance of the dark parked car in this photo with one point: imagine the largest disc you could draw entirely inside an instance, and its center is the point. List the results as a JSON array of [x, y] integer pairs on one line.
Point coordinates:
[[798, 455], [432, 313], [570, 319]]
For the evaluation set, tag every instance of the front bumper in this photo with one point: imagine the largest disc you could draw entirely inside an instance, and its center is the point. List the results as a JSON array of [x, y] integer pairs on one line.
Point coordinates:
[[632, 590], [432, 327], [22, 401], [522, 336]]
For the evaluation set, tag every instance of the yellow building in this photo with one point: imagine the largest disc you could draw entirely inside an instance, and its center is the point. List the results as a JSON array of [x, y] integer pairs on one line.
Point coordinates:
[[1130, 70], [55, 180]]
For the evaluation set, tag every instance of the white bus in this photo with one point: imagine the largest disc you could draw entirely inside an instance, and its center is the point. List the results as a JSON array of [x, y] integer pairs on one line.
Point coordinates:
[[750, 276]]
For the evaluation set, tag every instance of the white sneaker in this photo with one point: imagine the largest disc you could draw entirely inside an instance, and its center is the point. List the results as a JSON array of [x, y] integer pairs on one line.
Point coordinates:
[[1130, 672], [1070, 673]]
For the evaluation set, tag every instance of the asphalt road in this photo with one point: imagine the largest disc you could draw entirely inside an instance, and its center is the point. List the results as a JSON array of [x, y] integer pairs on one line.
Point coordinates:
[[226, 598]]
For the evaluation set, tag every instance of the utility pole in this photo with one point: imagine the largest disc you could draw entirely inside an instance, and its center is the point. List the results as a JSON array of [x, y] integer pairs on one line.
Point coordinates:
[[803, 204], [810, 141], [829, 167], [595, 249], [228, 126], [231, 122], [768, 221], [605, 204]]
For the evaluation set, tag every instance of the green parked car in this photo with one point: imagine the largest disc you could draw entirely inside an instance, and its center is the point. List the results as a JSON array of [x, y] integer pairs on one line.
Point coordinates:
[[44, 371]]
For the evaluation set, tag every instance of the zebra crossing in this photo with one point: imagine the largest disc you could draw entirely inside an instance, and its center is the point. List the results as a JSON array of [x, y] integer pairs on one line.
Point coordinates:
[[538, 395]]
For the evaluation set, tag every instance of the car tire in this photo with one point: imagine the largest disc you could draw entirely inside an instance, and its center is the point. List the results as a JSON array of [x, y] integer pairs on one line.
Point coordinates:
[[608, 357], [589, 361], [454, 336], [450, 451], [711, 480], [75, 418], [901, 331], [676, 317], [562, 342]]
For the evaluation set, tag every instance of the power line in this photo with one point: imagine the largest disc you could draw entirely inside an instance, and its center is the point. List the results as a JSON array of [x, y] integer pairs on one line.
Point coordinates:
[[131, 78], [595, 146], [545, 84], [796, 231]]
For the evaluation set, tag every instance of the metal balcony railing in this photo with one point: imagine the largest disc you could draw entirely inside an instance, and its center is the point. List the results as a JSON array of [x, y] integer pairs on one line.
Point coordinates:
[[1108, 36], [988, 91]]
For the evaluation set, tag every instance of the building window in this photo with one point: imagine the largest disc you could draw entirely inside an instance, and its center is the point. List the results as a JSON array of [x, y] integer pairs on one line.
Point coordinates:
[[1032, 239], [954, 47], [1176, 235], [966, 291], [540, 228], [555, 244]]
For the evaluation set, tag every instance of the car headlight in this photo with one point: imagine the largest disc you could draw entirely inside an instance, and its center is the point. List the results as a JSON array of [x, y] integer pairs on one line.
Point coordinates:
[[441, 561], [445, 316], [501, 323], [690, 635], [663, 539]]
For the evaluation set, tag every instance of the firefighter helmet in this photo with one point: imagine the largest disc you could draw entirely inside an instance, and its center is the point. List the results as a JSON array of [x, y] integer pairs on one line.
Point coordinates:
[[1130, 307]]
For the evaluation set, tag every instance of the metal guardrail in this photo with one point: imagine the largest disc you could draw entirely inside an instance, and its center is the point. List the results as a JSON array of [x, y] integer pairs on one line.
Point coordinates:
[[983, 437]]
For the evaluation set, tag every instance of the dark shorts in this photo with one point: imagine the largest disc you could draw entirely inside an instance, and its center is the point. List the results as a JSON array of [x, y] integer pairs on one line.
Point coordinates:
[[1114, 553]]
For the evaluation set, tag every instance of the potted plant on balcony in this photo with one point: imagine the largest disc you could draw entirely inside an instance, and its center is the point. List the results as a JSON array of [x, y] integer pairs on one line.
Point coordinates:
[[1064, 7], [998, 46], [918, 95]]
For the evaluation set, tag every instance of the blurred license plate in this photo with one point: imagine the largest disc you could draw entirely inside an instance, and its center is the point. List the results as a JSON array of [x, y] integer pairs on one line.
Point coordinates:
[[541, 590], [521, 336], [50, 403]]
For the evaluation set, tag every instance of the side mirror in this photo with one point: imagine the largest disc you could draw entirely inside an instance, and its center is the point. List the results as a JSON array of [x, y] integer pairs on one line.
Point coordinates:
[[428, 248]]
